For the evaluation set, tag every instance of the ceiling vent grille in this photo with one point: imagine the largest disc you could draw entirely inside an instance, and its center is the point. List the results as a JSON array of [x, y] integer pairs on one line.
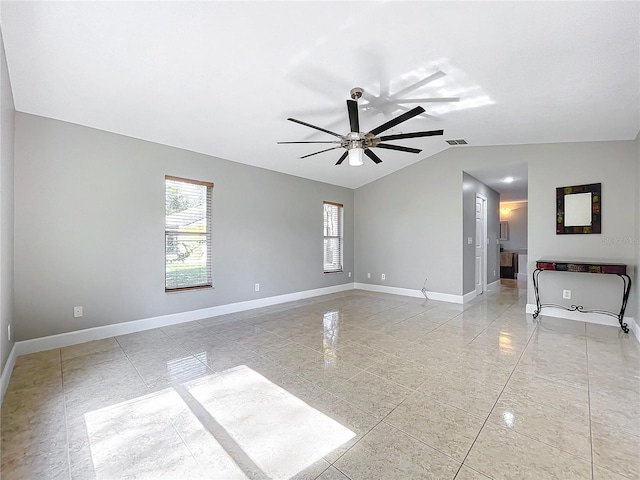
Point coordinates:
[[458, 141]]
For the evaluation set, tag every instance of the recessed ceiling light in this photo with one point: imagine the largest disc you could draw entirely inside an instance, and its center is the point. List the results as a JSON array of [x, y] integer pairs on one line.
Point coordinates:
[[508, 179]]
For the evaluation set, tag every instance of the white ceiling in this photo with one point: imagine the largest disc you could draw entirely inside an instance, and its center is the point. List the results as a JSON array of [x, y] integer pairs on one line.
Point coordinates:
[[222, 77], [516, 191]]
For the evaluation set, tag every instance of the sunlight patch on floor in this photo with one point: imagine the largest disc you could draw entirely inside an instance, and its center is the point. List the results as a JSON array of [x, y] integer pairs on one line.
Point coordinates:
[[237, 424]]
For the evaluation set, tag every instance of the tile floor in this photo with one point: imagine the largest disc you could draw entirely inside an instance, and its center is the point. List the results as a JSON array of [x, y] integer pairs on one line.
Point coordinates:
[[354, 385]]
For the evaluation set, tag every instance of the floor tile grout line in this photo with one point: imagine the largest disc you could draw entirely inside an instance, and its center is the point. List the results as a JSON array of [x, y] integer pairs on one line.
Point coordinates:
[[586, 349], [498, 399], [66, 417]]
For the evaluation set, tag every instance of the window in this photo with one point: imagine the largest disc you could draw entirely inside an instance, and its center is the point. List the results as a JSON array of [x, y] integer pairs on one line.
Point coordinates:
[[332, 237], [187, 234]]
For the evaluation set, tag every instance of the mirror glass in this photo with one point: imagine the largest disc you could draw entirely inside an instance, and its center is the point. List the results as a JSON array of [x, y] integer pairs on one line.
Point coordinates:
[[577, 210]]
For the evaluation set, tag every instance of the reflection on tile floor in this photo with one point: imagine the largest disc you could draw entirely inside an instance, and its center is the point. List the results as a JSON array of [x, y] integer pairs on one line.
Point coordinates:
[[355, 385]]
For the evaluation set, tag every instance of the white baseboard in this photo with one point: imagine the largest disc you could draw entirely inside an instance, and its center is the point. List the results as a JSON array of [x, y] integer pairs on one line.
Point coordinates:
[[634, 326], [522, 277], [7, 371], [97, 333], [467, 297], [408, 292], [495, 286], [598, 318]]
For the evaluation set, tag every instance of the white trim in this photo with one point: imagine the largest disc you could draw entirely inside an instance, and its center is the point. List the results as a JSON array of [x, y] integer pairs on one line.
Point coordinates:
[[494, 286], [408, 292], [97, 333], [598, 318], [634, 326], [485, 242], [7, 371], [522, 277], [467, 297]]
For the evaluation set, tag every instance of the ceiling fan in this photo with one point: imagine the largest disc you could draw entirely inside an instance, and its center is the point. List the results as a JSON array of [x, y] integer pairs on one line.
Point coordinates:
[[357, 143]]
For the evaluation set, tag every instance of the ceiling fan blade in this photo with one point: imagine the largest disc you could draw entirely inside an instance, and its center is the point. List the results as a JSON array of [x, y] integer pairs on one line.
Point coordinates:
[[321, 151], [372, 156], [399, 119], [401, 136], [354, 122], [398, 147], [326, 141], [424, 81], [313, 126], [428, 100], [341, 159]]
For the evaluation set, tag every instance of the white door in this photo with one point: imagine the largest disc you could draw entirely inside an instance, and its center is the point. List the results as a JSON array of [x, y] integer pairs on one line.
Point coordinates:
[[481, 228]]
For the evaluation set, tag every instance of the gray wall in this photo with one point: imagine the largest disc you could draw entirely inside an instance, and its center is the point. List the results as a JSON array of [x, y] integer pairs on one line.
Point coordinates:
[[90, 229], [471, 186], [408, 226], [637, 237], [410, 222], [518, 220], [7, 115], [611, 163]]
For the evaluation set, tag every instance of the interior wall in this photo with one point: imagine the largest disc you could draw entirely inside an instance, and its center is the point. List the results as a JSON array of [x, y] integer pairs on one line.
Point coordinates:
[[517, 219], [637, 236], [408, 226], [471, 186], [90, 229], [411, 222], [7, 113]]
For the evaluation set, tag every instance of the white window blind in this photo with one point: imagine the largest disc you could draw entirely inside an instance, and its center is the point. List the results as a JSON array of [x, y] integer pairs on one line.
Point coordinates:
[[187, 234], [332, 237]]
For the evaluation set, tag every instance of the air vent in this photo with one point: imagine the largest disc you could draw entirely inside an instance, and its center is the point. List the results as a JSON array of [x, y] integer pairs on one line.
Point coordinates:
[[458, 141]]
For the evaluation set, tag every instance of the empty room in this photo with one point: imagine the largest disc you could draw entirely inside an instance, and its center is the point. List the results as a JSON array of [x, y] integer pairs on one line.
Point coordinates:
[[319, 240]]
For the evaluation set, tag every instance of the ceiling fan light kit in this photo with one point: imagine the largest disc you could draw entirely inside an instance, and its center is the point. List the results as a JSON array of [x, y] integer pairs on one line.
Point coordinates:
[[355, 157], [357, 143]]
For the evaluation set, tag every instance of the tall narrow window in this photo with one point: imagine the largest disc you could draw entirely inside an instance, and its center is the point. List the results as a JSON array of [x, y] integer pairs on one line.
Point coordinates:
[[187, 234], [332, 237]]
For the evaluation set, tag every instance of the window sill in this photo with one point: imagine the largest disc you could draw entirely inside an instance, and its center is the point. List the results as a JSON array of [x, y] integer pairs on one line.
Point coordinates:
[[188, 289]]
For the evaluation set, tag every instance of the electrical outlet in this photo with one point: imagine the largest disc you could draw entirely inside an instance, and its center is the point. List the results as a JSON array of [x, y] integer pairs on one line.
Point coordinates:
[[77, 312], [383, 276], [470, 240], [494, 273], [257, 287], [349, 274], [9, 332], [566, 294], [368, 275]]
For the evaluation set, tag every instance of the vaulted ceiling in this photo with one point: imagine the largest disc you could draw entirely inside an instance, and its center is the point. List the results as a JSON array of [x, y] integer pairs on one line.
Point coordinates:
[[221, 78]]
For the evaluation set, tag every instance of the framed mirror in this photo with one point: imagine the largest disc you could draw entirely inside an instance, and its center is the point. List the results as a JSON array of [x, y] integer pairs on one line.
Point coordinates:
[[578, 209], [504, 230]]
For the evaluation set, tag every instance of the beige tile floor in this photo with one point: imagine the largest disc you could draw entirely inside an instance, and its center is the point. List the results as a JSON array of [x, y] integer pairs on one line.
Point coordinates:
[[354, 385]]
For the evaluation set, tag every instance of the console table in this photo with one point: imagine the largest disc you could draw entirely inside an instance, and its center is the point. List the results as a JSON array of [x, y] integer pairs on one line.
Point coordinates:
[[619, 269]]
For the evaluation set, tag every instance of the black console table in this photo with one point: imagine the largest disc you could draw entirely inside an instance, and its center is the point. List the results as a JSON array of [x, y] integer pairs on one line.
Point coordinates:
[[619, 269]]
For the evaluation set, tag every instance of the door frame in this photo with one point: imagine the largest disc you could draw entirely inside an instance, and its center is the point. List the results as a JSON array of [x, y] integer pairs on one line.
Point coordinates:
[[485, 245]]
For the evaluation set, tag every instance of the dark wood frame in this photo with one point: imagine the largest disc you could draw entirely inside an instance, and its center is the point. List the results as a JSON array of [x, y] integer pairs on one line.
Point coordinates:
[[596, 209]]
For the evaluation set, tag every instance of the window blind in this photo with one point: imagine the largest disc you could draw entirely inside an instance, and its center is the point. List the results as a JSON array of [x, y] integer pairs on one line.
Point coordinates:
[[332, 237], [187, 234]]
